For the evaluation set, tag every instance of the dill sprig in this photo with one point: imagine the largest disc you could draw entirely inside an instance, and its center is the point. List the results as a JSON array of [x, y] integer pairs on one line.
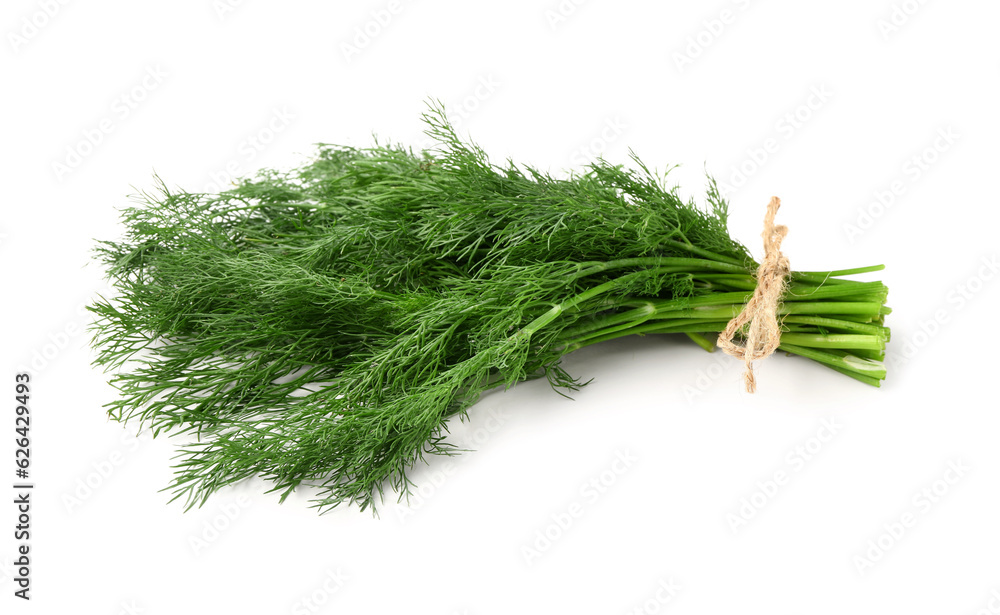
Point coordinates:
[[319, 327]]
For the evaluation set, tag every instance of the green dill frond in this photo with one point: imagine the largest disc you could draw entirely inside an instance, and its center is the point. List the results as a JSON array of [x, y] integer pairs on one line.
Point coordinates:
[[318, 328]]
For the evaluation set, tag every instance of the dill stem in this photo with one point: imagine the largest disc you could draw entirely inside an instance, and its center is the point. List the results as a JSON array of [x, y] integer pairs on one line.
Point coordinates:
[[600, 289], [675, 264], [706, 253], [701, 340], [835, 323], [865, 342], [868, 372]]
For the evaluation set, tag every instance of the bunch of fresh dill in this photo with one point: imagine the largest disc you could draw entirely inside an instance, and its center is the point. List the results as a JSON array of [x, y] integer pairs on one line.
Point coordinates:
[[319, 327]]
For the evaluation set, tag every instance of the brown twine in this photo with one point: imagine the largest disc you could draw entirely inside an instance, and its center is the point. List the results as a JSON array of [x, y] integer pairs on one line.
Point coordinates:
[[761, 311]]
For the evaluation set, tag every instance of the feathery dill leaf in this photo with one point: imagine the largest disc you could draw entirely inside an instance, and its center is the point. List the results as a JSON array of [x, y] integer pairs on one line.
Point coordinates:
[[319, 327]]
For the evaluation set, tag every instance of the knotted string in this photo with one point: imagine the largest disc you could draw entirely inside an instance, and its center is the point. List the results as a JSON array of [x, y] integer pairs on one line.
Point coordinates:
[[761, 311]]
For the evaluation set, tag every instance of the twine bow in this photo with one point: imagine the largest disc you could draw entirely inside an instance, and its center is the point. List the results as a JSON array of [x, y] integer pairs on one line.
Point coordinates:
[[761, 311]]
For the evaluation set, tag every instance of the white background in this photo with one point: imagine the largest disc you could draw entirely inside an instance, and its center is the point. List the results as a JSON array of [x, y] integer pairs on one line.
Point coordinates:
[[195, 90]]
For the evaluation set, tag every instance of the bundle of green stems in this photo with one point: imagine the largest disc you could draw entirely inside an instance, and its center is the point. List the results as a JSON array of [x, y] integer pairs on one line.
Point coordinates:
[[319, 327]]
